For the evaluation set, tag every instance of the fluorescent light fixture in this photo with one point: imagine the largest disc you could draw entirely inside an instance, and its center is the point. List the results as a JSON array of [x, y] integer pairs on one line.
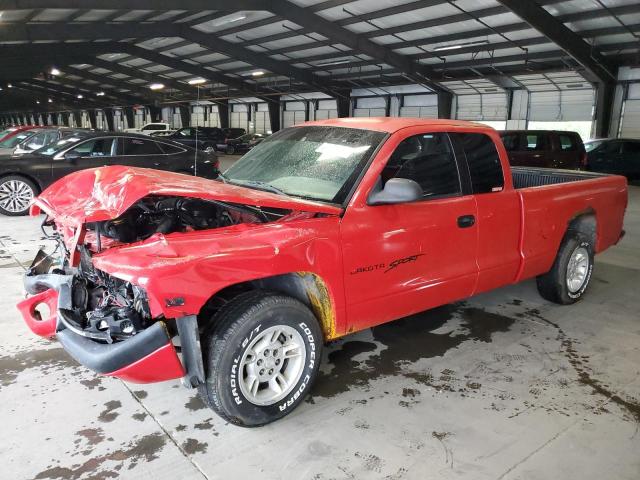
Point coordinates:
[[38, 102], [458, 46], [574, 85], [50, 101], [54, 71], [230, 20], [9, 85], [334, 62], [257, 73], [156, 86], [79, 96], [197, 81], [100, 94]]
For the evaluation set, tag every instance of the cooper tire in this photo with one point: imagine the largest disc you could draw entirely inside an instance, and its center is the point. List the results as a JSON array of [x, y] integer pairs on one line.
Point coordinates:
[[236, 327], [23, 189], [576, 255]]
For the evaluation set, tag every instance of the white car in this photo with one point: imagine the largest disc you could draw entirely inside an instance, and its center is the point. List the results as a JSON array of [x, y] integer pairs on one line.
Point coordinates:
[[149, 128]]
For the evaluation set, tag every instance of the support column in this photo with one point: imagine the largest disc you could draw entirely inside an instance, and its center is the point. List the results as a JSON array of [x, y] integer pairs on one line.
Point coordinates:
[[44, 119], [223, 111], [185, 115], [274, 115], [444, 104], [65, 118], [156, 113], [92, 118], [77, 118], [108, 116], [130, 116], [604, 104], [344, 104]]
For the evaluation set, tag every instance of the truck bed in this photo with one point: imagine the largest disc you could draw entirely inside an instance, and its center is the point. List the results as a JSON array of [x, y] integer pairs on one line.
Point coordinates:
[[525, 177]]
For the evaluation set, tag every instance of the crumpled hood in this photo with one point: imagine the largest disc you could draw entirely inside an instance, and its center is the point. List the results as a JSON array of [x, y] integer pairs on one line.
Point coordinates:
[[105, 193]]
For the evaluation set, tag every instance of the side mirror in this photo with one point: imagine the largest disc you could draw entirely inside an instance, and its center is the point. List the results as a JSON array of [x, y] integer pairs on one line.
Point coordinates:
[[72, 156], [396, 190]]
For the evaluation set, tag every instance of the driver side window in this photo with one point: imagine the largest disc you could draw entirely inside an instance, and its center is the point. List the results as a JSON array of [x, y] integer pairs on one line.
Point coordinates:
[[428, 160]]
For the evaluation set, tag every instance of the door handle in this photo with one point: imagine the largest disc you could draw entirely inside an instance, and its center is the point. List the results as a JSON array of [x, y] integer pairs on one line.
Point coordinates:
[[466, 221]]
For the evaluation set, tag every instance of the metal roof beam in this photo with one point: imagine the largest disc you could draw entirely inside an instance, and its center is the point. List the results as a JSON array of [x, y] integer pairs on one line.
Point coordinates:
[[133, 4], [419, 73], [569, 41]]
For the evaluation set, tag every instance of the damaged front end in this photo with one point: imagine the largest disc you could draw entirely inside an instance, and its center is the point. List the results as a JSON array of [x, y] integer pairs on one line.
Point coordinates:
[[103, 322], [121, 233]]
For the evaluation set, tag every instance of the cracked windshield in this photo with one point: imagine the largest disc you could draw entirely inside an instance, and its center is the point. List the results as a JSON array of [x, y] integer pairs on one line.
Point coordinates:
[[318, 163]]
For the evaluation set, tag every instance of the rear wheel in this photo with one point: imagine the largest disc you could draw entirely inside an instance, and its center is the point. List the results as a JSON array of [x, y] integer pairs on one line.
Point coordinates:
[[261, 357], [569, 277], [16, 194], [230, 150]]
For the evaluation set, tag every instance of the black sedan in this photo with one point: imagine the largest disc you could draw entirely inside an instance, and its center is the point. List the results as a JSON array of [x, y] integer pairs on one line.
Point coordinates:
[[205, 138], [24, 177], [242, 144]]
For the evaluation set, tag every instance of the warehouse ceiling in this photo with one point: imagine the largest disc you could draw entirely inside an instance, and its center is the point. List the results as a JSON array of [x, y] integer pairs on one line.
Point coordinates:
[[110, 52]]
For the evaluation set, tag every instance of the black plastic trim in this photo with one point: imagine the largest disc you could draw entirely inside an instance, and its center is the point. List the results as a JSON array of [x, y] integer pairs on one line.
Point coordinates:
[[104, 358]]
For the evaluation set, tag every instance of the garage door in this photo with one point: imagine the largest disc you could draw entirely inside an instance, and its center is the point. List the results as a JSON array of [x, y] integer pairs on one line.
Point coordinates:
[[326, 109], [630, 125], [239, 116], [213, 118], [492, 107], [419, 106], [562, 105], [262, 120], [294, 113], [370, 107]]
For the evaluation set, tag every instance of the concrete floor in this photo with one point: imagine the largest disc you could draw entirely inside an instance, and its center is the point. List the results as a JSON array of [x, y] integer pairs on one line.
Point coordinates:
[[503, 386]]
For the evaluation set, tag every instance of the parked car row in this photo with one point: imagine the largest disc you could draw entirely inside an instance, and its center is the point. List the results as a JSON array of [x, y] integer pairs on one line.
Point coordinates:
[[555, 149], [22, 177]]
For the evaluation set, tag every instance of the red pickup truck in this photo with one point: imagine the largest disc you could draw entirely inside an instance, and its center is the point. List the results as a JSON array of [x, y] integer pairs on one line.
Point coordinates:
[[323, 229]]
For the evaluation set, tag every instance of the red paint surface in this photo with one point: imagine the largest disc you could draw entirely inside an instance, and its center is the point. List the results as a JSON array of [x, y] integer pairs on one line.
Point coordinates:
[[516, 236], [158, 366], [44, 327]]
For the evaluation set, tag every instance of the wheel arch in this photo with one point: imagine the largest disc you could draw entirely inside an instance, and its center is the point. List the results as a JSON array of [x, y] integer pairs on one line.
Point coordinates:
[[23, 175], [307, 287], [585, 222]]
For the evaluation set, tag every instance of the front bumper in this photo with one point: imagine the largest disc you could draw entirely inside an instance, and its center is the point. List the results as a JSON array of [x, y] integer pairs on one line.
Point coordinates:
[[146, 357]]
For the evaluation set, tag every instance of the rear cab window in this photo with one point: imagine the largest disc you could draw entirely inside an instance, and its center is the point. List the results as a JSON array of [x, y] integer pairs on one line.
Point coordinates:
[[483, 160]]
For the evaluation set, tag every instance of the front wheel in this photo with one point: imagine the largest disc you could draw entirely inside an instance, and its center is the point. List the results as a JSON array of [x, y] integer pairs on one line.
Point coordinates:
[[569, 277], [230, 150], [16, 194], [261, 358]]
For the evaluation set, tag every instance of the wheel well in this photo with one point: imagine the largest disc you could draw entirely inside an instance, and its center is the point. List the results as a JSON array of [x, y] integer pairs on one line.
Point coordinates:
[[306, 287], [28, 177], [585, 223]]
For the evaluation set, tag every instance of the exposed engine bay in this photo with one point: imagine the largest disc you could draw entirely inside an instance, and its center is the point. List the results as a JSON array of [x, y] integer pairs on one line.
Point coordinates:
[[106, 308], [165, 215]]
